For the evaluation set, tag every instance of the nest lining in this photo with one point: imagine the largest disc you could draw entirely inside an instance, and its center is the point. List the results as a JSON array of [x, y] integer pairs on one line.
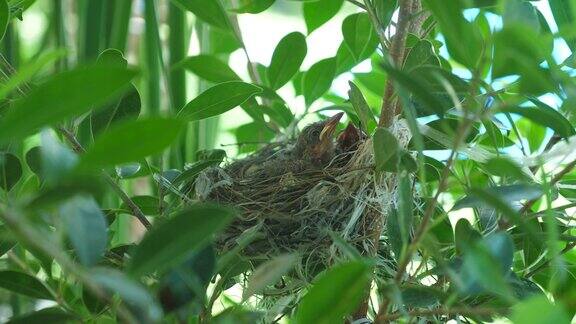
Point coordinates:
[[300, 211]]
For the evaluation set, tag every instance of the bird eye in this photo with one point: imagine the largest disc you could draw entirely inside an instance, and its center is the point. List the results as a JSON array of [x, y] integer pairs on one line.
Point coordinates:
[[315, 133]]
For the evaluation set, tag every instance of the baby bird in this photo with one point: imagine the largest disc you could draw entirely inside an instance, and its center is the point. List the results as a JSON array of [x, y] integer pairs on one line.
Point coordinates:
[[314, 149], [349, 139], [315, 145]]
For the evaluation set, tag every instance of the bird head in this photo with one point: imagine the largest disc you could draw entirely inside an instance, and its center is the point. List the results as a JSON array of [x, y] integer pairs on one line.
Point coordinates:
[[316, 141], [349, 139]]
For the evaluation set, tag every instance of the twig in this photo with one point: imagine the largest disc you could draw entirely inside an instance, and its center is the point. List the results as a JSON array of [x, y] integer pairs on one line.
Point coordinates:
[[568, 247], [569, 167], [136, 211], [388, 110]]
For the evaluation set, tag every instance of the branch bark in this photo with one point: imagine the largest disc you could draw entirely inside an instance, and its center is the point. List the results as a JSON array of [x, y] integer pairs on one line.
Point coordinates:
[[396, 57]]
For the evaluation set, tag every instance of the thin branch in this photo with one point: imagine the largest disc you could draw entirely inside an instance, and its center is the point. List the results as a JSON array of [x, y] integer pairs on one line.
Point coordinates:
[[567, 248], [136, 211], [569, 167], [388, 110]]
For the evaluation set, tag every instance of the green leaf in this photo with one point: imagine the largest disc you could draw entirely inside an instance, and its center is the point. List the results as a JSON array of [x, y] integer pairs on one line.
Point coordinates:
[[421, 296], [252, 6], [449, 127], [486, 264], [465, 235], [127, 108], [193, 170], [335, 294], [394, 234], [359, 34], [286, 60], [188, 281], [520, 12], [419, 89], [27, 71], [210, 11], [34, 159], [218, 99], [509, 194], [222, 42], [86, 227], [405, 207], [21, 283], [10, 170], [56, 160], [502, 199], [455, 29], [65, 95], [386, 150], [374, 81], [538, 310], [533, 132], [318, 79], [563, 13], [504, 167], [384, 10], [320, 12], [4, 17], [172, 241], [269, 273], [149, 205], [208, 67], [131, 141], [7, 241], [421, 54], [237, 315], [518, 50], [44, 316], [112, 57], [544, 115], [141, 303], [362, 109]]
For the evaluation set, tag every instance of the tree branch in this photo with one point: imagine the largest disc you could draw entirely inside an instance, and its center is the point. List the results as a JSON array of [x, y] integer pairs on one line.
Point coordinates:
[[396, 57]]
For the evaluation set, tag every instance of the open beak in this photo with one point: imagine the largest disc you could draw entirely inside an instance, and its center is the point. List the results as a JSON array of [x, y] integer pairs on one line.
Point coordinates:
[[330, 127]]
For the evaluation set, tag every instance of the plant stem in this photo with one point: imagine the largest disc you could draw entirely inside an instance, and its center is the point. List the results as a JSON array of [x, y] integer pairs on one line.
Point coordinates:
[[177, 77], [569, 246], [569, 167], [136, 211], [121, 22], [396, 56], [91, 18]]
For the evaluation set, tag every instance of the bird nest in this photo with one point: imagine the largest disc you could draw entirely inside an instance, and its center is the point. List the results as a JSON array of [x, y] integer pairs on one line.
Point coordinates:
[[316, 213]]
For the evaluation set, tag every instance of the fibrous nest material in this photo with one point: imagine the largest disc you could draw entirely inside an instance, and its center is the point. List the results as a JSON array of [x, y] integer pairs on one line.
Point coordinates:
[[308, 212]]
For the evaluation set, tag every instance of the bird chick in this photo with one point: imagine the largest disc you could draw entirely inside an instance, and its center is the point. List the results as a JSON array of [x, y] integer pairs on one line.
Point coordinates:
[[315, 144], [314, 149], [349, 139]]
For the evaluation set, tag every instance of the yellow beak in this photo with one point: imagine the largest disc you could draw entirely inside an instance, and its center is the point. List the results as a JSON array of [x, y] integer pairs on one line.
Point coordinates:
[[330, 127]]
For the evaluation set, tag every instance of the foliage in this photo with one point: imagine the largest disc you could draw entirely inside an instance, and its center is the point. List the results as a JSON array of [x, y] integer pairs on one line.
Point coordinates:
[[100, 141]]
